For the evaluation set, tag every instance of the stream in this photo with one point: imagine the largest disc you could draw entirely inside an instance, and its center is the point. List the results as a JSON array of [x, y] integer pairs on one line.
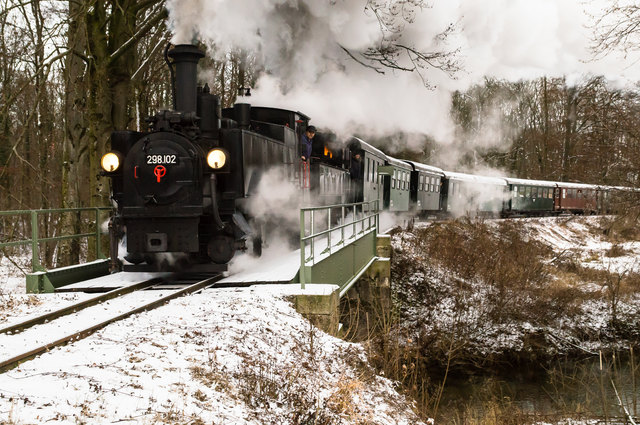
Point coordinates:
[[580, 390]]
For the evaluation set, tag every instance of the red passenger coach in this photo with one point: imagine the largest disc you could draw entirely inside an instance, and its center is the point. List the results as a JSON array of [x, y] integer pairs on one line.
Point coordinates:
[[576, 198]]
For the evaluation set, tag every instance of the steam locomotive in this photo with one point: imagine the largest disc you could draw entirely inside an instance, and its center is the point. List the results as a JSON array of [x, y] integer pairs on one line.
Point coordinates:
[[185, 185]]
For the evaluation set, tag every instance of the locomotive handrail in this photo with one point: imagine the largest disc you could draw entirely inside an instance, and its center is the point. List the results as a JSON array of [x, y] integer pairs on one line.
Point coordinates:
[[35, 239], [365, 215]]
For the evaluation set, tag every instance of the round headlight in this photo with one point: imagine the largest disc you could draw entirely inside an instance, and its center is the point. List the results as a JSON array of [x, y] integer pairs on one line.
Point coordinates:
[[216, 159], [110, 162]]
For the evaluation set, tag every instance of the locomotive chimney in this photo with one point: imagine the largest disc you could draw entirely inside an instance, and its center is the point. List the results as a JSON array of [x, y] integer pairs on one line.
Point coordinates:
[[186, 57]]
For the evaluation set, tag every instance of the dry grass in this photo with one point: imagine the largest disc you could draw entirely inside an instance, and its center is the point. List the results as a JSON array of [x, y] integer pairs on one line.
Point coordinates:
[[622, 227]]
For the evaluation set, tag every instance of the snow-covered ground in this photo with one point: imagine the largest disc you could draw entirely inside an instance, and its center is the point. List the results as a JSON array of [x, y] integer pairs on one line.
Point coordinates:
[[225, 356]]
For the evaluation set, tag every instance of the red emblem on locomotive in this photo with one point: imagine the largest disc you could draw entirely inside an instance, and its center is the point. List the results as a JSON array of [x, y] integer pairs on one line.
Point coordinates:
[[159, 172]]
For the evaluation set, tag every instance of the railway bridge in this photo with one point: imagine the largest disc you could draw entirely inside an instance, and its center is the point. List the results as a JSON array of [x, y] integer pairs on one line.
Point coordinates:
[[342, 256]]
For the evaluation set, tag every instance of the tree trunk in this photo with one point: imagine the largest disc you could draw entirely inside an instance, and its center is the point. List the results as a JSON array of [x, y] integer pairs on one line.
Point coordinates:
[[75, 147]]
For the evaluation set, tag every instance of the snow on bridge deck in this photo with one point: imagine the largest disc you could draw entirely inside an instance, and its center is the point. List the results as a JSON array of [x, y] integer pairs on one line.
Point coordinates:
[[270, 268]]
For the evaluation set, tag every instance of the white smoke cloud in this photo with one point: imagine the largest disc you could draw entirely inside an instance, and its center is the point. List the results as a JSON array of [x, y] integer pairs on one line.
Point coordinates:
[[298, 43]]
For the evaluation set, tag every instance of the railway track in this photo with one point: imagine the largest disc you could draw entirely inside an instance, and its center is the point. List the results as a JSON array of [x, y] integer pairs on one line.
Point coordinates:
[[11, 335]]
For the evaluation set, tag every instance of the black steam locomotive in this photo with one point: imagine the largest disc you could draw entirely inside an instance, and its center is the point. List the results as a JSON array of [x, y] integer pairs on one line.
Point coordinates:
[[183, 186]]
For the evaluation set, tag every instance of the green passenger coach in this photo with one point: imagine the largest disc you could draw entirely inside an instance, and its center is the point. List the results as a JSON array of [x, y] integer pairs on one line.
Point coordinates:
[[530, 197]]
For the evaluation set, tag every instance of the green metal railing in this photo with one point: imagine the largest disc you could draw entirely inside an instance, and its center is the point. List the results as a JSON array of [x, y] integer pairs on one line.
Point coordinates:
[[364, 219], [36, 240]]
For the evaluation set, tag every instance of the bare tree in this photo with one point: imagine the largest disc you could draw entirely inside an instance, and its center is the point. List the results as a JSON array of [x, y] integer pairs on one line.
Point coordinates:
[[617, 28], [394, 51]]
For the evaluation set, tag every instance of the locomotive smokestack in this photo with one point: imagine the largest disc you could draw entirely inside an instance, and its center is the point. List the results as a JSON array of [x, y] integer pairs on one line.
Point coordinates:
[[186, 57]]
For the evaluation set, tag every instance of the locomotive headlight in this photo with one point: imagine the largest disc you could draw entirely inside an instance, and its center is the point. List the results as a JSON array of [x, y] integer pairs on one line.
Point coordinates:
[[110, 162], [216, 158]]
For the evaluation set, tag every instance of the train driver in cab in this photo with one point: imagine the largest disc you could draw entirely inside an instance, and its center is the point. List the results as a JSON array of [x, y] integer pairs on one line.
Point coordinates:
[[307, 142]]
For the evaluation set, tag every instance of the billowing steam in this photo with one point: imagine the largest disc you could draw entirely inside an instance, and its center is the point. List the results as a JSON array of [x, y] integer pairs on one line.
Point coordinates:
[[300, 45]]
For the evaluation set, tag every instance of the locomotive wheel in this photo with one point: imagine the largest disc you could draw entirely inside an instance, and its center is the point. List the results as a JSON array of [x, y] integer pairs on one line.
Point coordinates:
[[221, 249]]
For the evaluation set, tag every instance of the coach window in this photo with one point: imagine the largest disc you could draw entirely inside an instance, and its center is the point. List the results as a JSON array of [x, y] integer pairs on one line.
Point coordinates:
[[527, 192]]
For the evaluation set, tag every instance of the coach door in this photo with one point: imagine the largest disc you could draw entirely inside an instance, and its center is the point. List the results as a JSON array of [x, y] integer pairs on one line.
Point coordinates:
[[557, 203]]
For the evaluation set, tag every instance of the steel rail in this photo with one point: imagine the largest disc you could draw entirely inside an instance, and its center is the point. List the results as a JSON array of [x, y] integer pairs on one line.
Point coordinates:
[[16, 360], [19, 327]]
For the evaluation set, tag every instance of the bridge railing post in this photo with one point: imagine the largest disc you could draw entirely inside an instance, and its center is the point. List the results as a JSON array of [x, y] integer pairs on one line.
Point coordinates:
[[303, 262], [98, 235], [35, 246]]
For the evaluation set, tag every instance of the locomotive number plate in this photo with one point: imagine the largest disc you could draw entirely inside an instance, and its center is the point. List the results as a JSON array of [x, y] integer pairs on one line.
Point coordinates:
[[162, 159]]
